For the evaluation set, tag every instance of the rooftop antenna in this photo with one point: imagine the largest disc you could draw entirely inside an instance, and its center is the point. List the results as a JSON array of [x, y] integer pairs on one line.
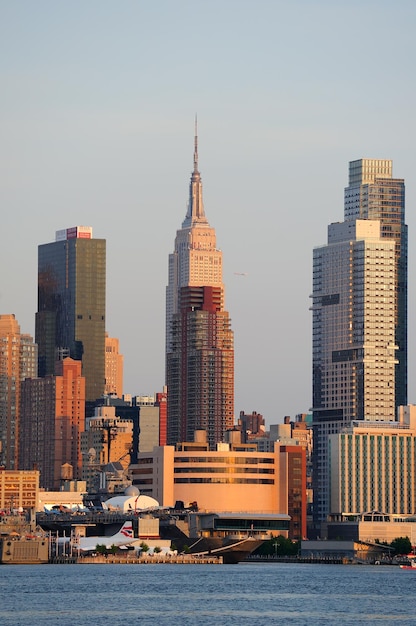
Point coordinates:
[[196, 145]]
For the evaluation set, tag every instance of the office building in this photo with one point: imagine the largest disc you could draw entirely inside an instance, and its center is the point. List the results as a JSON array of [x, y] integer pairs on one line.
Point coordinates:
[[354, 330], [373, 468], [251, 425], [373, 471], [52, 420], [199, 339], [125, 410], [106, 440], [374, 194], [293, 487], [71, 305], [149, 417], [113, 367], [233, 478], [19, 490], [200, 367], [372, 527], [161, 401], [18, 360], [359, 315]]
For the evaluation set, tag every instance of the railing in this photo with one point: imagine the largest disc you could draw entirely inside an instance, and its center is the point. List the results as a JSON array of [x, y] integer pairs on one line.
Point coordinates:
[[104, 517]]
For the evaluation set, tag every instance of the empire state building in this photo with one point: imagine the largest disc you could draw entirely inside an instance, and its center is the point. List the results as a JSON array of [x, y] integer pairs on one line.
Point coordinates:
[[199, 339]]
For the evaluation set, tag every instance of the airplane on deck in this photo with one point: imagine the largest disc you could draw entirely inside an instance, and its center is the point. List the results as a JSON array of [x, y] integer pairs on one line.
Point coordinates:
[[123, 537]]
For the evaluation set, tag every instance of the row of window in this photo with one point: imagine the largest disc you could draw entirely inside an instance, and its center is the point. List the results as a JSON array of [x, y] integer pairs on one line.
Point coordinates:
[[226, 481]]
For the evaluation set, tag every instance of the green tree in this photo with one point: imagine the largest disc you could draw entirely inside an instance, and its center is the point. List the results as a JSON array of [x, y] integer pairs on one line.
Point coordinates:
[[144, 547], [278, 546], [100, 548], [401, 545]]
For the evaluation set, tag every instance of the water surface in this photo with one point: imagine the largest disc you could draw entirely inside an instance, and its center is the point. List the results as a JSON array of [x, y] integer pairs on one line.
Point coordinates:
[[249, 594]]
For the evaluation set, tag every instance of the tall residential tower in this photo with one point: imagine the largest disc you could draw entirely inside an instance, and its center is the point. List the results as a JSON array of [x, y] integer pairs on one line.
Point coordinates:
[[52, 419], [374, 194], [359, 315], [199, 339], [71, 305], [18, 360]]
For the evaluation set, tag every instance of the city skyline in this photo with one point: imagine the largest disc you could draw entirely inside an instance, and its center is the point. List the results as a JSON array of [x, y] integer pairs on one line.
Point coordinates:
[[98, 114]]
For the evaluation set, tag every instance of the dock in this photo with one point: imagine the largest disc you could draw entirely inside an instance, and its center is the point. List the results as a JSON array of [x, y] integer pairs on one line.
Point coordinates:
[[121, 559]]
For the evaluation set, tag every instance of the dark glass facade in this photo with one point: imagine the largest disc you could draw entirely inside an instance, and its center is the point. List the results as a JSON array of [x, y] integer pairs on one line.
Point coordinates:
[[71, 308]]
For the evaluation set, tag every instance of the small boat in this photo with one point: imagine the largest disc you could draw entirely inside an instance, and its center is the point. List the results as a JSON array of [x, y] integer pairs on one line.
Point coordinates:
[[411, 564]]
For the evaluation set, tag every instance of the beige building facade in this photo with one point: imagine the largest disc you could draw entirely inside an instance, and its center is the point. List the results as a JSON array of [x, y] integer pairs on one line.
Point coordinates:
[[114, 362], [229, 479], [374, 528], [373, 467], [18, 360], [354, 314], [19, 489]]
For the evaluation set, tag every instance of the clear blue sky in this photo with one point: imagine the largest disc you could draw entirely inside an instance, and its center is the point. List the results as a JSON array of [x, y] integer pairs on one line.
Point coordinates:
[[97, 110]]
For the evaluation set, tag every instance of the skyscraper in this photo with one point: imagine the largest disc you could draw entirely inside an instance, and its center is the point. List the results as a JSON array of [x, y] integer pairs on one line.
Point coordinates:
[[18, 360], [53, 418], [199, 339], [113, 367], [374, 194], [71, 305], [353, 338], [359, 315]]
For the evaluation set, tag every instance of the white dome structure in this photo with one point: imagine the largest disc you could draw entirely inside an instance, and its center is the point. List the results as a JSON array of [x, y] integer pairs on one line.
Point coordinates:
[[128, 503], [132, 491]]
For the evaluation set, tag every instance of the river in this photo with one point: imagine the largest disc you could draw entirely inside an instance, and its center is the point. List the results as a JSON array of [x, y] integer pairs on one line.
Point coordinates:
[[254, 594]]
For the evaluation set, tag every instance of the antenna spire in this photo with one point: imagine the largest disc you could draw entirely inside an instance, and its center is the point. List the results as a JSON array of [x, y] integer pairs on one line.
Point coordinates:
[[195, 214], [196, 145]]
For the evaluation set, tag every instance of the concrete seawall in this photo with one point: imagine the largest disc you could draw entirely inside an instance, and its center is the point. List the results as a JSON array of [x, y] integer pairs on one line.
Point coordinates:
[[186, 559]]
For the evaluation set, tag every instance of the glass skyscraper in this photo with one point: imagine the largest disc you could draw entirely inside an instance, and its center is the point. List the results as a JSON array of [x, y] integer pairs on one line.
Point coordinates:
[[71, 305]]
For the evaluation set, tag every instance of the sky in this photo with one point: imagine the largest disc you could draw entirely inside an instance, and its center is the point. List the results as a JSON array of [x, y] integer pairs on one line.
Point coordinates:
[[97, 108]]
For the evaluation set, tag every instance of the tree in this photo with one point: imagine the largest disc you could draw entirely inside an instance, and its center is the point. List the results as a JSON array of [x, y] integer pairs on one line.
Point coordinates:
[[278, 546], [401, 545], [157, 550], [100, 548], [144, 547]]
